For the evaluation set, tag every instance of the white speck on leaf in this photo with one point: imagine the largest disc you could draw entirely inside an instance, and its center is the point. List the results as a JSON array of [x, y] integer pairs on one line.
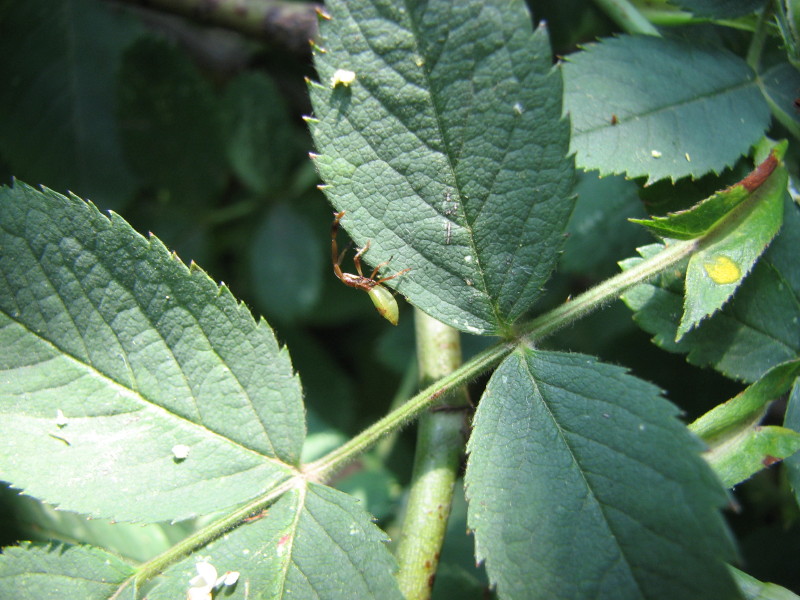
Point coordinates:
[[655, 153], [342, 77], [181, 452], [61, 420]]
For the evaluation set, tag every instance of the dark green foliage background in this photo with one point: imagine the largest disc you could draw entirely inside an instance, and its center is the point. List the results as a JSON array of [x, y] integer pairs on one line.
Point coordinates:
[[198, 137]]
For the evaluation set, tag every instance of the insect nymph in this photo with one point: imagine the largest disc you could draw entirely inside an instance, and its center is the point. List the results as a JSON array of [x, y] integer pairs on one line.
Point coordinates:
[[381, 297]]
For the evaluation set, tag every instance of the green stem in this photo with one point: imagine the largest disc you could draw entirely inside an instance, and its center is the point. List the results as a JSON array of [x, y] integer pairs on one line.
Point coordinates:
[[625, 14], [759, 37], [441, 437], [609, 290], [325, 467], [322, 469], [288, 24], [534, 331], [213, 531]]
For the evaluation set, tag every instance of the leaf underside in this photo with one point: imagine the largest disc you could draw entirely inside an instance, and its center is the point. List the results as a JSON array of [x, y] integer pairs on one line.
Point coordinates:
[[447, 151], [583, 484], [114, 354], [661, 108]]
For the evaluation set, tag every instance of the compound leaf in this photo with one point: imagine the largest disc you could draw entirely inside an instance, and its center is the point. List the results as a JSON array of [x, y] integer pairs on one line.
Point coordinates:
[[128, 375], [583, 484], [314, 542], [661, 108], [440, 132]]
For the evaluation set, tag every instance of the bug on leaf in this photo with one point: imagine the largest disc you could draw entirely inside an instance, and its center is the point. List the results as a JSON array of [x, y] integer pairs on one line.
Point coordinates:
[[381, 297]]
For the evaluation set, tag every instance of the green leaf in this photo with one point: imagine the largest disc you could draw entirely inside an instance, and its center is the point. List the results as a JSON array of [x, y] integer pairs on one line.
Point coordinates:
[[314, 542], [286, 264], [117, 357], [728, 253], [749, 451], [30, 572], [661, 108], [57, 99], [259, 138], [753, 589], [41, 522], [598, 235], [170, 122], [710, 213], [720, 9], [792, 421], [781, 85], [447, 150], [583, 484], [738, 446], [758, 329], [748, 407]]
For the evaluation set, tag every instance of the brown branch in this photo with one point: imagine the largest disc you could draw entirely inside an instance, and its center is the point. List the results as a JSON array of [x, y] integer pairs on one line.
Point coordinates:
[[287, 24]]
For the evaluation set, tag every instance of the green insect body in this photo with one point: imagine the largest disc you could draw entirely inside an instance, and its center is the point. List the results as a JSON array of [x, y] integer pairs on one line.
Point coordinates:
[[381, 297], [385, 303]]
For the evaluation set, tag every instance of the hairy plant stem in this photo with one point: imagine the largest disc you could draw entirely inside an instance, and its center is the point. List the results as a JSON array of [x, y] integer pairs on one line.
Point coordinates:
[[208, 534], [626, 15], [759, 37], [439, 391], [530, 333], [441, 437]]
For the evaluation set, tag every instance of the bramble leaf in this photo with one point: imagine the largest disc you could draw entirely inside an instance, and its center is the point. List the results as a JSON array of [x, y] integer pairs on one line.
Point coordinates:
[[661, 108], [314, 542], [718, 268], [583, 484], [30, 572], [446, 147], [781, 85], [738, 446], [758, 329], [128, 375]]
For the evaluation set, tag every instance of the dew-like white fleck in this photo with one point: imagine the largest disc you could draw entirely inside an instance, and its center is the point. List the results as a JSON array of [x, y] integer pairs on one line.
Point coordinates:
[[180, 451], [342, 77]]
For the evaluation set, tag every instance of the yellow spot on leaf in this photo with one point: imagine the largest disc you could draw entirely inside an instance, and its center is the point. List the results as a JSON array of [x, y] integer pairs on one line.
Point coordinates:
[[722, 270]]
